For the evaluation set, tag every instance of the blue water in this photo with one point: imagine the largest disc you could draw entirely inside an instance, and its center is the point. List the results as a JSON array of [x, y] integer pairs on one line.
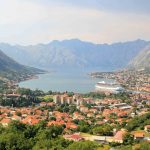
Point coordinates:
[[78, 82]]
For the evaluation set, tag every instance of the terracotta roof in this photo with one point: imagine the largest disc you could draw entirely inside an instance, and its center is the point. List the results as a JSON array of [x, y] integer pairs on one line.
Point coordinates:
[[16, 117], [31, 120], [55, 123], [138, 134], [119, 135], [71, 125], [147, 126], [74, 137], [5, 120]]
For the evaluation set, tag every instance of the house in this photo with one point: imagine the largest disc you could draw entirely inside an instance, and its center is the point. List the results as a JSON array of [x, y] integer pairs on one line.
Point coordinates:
[[138, 135], [56, 99], [93, 110], [76, 115], [119, 136], [147, 128], [122, 114], [84, 109], [58, 123], [15, 117], [63, 99], [5, 121], [90, 115], [38, 112], [106, 112], [31, 120], [100, 122], [70, 125], [74, 137], [13, 95], [50, 104], [42, 104], [100, 139]]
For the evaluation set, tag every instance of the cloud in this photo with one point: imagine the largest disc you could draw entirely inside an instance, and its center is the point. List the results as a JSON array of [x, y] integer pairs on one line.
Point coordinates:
[[19, 11], [36, 21], [133, 6]]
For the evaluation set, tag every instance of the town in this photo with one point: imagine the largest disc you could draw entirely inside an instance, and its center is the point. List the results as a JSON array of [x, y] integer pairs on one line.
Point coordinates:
[[101, 117], [133, 80]]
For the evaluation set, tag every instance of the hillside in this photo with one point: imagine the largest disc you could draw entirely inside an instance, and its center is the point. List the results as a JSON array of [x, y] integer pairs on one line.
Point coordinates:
[[142, 60], [12, 70], [75, 54]]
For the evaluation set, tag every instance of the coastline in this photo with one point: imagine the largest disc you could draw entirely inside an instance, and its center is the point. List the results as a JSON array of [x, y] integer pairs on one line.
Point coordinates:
[[58, 81], [29, 77]]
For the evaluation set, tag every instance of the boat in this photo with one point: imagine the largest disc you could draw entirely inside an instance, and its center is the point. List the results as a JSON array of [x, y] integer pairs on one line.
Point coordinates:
[[108, 87]]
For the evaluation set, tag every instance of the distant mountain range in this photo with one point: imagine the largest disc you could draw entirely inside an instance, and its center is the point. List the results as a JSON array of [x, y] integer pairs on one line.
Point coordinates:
[[10, 69], [76, 54]]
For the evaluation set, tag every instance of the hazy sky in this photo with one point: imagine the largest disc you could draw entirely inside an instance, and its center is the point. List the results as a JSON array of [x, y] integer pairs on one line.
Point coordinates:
[[100, 21]]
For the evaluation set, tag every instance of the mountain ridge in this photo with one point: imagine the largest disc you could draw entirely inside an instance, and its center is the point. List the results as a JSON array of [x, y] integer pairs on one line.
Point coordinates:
[[75, 53], [12, 70]]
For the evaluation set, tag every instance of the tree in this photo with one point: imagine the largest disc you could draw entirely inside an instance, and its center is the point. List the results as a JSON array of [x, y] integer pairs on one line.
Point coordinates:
[[53, 118], [16, 126], [55, 144], [128, 139], [144, 146], [127, 147], [18, 113], [103, 130], [2, 129], [83, 126], [139, 121], [49, 92], [43, 144], [30, 132], [70, 94], [83, 145], [72, 109], [11, 141], [41, 125], [24, 91]]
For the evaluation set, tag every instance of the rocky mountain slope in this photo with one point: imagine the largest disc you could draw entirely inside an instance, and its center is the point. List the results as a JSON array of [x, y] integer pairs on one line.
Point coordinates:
[[10, 69], [142, 60], [75, 54]]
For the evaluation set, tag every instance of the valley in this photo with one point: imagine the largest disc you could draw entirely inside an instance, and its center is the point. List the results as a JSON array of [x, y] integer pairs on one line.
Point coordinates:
[[63, 106], [76, 54], [75, 75]]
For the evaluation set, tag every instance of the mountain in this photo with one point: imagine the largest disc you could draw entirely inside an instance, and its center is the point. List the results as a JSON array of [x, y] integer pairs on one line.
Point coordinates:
[[142, 60], [10, 69], [75, 54]]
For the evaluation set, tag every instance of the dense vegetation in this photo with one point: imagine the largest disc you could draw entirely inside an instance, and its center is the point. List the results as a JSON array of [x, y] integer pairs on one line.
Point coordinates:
[[140, 146], [95, 95], [121, 96], [38, 137], [138, 122], [26, 98], [18, 136]]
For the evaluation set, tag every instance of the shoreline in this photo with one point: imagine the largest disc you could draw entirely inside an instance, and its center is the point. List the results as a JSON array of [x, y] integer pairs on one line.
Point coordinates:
[[29, 77], [85, 87], [126, 82]]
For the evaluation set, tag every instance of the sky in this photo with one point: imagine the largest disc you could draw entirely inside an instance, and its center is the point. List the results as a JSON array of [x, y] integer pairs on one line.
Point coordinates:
[[99, 21]]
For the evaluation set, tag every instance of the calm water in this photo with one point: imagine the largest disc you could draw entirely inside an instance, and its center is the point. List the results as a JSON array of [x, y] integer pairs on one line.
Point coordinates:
[[72, 82]]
